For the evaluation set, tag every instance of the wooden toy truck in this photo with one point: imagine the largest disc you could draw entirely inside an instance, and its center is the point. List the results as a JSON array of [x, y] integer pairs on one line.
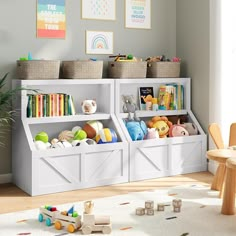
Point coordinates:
[[47, 215], [92, 223], [71, 223]]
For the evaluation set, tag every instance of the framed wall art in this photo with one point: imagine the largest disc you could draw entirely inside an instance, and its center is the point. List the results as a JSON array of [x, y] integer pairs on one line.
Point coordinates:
[[51, 19], [99, 42], [138, 14], [99, 9]]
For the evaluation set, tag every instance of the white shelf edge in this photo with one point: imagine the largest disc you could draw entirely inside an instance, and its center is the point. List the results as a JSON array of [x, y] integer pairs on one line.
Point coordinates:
[[58, 119]]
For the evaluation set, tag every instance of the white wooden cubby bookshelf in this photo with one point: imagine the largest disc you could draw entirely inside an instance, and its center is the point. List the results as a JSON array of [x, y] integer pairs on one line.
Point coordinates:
[[56, 170], [166, 156]]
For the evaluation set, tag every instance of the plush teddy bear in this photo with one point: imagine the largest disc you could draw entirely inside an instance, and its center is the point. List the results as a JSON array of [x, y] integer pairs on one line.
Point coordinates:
[[161, 124]]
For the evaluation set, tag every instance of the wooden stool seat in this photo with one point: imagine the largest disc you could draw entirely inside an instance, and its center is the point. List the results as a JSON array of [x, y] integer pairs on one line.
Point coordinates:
[[228, 205], [220, 156]]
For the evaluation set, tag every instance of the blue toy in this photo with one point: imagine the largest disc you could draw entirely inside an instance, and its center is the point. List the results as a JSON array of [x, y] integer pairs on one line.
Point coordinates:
[[137, 129], [106, 135]]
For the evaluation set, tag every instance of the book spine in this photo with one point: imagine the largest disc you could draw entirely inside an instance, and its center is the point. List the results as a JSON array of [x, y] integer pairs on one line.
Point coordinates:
[[44, 105], [66, 105], [29, 106], [34, 106]]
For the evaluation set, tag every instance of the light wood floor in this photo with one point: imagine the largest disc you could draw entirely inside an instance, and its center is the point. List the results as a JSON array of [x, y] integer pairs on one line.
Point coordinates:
[[14, 199]]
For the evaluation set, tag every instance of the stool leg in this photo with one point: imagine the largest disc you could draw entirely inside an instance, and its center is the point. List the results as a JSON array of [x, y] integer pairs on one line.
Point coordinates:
[[228, 205], [218, 179]]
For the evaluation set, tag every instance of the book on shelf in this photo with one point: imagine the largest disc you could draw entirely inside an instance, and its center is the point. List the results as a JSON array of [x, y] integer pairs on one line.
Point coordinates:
[[171, 97], [146, 94], [53, 104]]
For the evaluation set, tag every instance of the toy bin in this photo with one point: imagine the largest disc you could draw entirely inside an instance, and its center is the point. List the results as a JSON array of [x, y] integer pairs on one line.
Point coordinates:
[[82, 69], [38, 69], [123, 69], [163, 69]]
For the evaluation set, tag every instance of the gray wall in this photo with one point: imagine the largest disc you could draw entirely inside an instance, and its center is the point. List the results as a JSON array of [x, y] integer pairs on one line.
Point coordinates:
[[193, 46], [18, 37]]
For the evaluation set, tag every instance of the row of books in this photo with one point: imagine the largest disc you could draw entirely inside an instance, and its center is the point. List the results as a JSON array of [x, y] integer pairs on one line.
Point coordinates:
[[169, 97], [53, 104]]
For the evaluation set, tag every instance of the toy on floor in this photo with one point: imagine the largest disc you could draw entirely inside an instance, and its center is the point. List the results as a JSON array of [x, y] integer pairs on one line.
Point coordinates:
[[177, 203], [94, 223], [68, 219], [160, 207], [47, 213], [148, 210]]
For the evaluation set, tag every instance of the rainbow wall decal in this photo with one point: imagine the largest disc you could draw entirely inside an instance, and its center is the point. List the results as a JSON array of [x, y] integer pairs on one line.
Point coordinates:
[[51, 19], [99, 41]]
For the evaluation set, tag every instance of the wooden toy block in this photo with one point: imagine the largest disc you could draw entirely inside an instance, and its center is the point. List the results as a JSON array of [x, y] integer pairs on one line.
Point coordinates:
[[177, 203], [88, 207], [160, 207], [149, 204], [140, 211], [92, 223], [150, 212]]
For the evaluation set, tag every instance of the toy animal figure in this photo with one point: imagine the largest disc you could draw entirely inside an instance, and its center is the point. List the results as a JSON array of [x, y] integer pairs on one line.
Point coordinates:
[[191, 128], [152, 133], [89, 106], [178, 130], [130, 106], [161, 124], [137, 129]]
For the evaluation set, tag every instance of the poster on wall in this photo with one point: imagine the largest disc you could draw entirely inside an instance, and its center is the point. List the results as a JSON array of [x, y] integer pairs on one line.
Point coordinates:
[[51, 19], [138, 14], [99, 42], [99, 9]]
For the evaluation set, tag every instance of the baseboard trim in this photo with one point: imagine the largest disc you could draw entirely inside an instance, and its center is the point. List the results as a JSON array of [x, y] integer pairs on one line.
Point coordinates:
[[6, 178]]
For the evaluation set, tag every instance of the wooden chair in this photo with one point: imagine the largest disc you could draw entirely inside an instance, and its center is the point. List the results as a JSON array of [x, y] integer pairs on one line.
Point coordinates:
[[232, 135], [216, 135]]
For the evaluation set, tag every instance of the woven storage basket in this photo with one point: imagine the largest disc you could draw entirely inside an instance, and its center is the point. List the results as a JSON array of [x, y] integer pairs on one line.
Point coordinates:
[[120, 69], [163, 69], [82, 69], [38, 69]]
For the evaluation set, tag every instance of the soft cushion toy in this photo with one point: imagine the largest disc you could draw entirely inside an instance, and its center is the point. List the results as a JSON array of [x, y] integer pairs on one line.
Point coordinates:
[[191, 128], [161, 124], [178, 130], [129, 104], [152, 133], [137, 129]]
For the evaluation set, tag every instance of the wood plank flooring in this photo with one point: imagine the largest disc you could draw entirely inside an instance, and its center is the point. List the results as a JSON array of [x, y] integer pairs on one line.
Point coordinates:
[[14, 199]]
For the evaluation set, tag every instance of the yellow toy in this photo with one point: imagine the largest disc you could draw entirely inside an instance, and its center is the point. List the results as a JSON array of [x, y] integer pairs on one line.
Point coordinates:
[[161, 124]]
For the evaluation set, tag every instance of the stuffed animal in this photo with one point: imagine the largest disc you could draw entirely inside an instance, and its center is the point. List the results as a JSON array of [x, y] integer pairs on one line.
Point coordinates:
[[177, 130], [137, 129], [191, 128], [89, 106], [152, 133], [161, 124], [129, 104]]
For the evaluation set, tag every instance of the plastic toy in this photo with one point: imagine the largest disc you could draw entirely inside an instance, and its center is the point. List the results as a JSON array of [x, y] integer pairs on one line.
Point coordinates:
[[41, 136], [80, 135], [177, 130], [92, 128], [106, 135], [47, 213], [92, 223], [161, 124], [137, 129], [89, 106], [66, 135]]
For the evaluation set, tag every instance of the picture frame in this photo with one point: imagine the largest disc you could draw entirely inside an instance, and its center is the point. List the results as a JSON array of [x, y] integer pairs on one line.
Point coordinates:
[[98, 9], [99, 42], [138, 14]]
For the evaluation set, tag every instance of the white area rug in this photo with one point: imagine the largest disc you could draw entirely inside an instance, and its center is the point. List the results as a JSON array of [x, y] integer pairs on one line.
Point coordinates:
[[199, 216]]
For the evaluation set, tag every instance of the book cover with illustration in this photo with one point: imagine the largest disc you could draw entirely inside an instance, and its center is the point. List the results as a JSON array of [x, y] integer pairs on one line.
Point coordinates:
[[145, 95]]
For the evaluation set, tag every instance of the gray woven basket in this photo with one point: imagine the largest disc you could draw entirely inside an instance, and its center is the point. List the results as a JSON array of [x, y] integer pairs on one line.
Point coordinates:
[[82, 69], [121, 69], [38, 69], [163, 69]]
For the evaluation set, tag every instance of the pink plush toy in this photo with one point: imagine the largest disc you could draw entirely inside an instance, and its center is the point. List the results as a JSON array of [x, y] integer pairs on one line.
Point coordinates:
[[152, 133], [178, 130]]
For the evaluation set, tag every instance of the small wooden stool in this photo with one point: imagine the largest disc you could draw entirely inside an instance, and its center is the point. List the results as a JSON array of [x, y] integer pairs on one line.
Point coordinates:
[[228, 205], [220, 156]]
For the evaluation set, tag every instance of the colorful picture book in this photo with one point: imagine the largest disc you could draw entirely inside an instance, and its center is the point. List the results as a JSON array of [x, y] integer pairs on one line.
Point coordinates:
[[53, 104], [145, 95], [171, 97]]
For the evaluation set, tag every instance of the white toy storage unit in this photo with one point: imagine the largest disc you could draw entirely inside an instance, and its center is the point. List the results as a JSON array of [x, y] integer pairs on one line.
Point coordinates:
[[56, 170], [155, 158]]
